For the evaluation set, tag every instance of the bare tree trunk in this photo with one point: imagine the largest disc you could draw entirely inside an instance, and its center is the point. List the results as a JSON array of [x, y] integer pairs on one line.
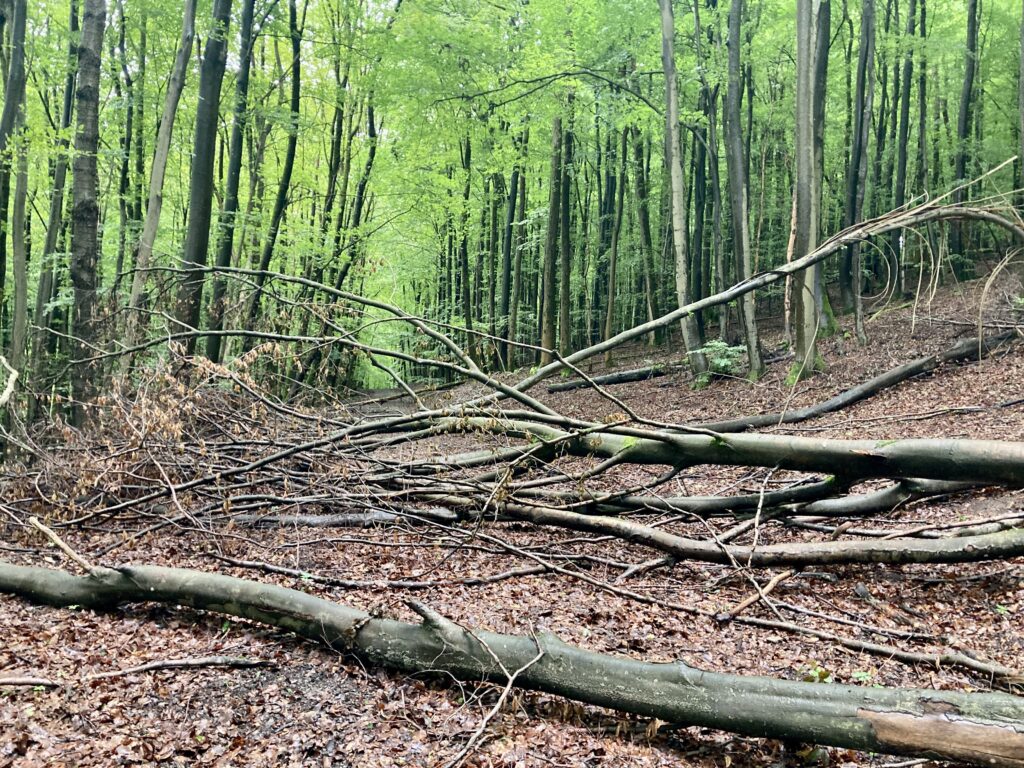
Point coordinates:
[[549, 316], [175, 85], [963, 121], [565, 245], [20, 250], [646, 236], [737, 170], [1020, 102], [613, 251], [896, 272], [14, 92], [85, 211], [807, 192], [850, 279], [229, 212], [517, 262], [14, 89], [284, 186], [504, 328], [691, 338], [197, 237], [55, 219]]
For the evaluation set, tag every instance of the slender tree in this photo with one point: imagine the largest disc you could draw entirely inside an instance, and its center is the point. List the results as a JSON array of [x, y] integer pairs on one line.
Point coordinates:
[[151, 223], [896, 271], [85, 211], [549, 310], [963, 121], [284, 186], [197, 236], [849, 272], [807, 191], [229, 212], [737, 169], [55, 219], [691, 337]]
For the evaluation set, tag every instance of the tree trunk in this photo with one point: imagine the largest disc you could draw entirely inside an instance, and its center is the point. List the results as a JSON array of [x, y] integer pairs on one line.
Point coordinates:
[[807, 192], [229, 212], [14, 88], [284, 186], [517, 262], [737, 170], [20, 250], [646, 235], [691, 338], [896, 272], [504, 327], [613, 250], [197, 236], [548, 313], [175, 85], [978, 728], [85, 211], [55, 220], [963, 122], [565, 245], [850, 279]]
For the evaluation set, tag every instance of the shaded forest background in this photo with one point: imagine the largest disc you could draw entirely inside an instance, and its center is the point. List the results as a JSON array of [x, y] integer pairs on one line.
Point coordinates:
[[500, 168]]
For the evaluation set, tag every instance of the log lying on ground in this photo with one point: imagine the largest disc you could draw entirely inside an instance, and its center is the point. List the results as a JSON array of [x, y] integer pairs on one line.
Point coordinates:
[[341, 520], [962, 350], [978, 461], [620, 377], [815, 498], [978, 728], [961, 549]]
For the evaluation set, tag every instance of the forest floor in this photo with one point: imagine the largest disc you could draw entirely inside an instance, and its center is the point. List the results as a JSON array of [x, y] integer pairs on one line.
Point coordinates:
[[313, 707]]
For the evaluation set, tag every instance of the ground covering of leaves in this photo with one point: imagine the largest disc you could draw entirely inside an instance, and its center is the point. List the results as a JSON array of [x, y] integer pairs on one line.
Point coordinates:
[[313, 707]]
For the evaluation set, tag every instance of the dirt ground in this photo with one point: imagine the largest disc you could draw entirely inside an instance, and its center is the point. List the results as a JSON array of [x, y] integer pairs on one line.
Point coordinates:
[[311, 707]]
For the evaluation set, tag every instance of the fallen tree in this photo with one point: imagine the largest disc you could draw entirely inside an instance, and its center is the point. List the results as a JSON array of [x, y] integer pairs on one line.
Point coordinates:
[[984, 729], [965, 349]]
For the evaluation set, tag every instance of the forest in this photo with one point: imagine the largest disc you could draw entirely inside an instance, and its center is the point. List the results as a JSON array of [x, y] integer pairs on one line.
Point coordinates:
[[512, 382]]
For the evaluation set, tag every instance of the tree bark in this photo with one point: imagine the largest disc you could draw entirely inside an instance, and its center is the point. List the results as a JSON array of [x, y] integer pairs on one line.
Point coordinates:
[[284, 186], [963, 122], [850, 280], [175, 85], [737, 169], [691, 337], [85, 212], [229, 212], [896, 271], [549, 310], [979, 728], [197, 236], [14, 88], [565, 244], [20, 249], [807, 191]]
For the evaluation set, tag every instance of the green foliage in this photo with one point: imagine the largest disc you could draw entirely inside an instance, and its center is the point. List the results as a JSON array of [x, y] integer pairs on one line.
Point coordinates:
[[723, 359]]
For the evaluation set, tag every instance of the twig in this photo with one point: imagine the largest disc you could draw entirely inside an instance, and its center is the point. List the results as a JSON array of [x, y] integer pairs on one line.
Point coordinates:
[[205, 661], [761, 594], [479, 732], [60, 544], [28, 682]]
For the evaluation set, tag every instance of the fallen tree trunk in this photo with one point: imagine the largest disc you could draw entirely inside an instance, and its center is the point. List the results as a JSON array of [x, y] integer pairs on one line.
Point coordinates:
[[962, 350], [963, 549], [978, 728], [620, 377], [977, 461]]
